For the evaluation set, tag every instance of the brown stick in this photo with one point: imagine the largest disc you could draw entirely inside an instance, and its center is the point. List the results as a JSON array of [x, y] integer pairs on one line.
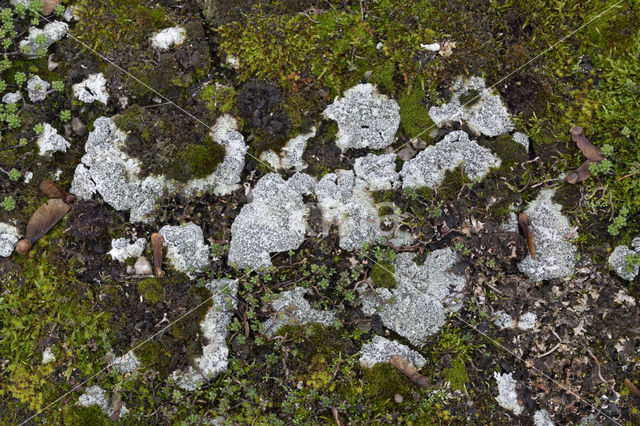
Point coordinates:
[[582, 173], [523, 221], [588, 149], [156, 245], [409, 370], [632, 387], [336, 416]]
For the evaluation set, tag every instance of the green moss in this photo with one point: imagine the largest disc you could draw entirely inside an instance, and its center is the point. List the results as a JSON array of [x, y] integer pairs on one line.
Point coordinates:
[[457, 375], [219, 98], [414, 116], [189, 328], [153, 355], [202, 160], [77, 415], [382, 275], [151, 290]]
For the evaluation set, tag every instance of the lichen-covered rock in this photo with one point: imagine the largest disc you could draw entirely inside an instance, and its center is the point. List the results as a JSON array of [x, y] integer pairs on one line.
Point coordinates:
[[95, 395], [343, 200], [226, 177], [366, 118], [8, 238], [294, 149], [522, 139], [542, 418], [417, 307], [12, 98], [555, 255], [37, 89], [273, 222], [127, 363], [381, 350], [485, 115], [185, 247], [53, 32], [379, 171], [507, 395], [618, 262], [50, 141], [503, 320], [429, 166], [214, 358], [293, 309], [121, 250], [167, 38], [94, 88]]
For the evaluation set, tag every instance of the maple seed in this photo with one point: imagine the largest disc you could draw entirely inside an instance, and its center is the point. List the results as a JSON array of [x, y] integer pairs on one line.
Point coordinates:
[[52, 190], [523, 221], [41, 222], [156, 245], [588, 149], [582, 173], [409, 370]]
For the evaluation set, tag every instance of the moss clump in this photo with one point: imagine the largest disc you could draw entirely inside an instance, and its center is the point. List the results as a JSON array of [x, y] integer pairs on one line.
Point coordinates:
[[382, 275], [457, 374], [202, 160], [414, 116], [153, 355], [77, 415], [219, 98], [151, 290], [188, 329]]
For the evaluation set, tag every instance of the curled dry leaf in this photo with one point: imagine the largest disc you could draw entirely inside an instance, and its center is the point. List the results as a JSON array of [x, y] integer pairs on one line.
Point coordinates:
[[156, 244], [52, 190], [523, 221], [41, 222], [588, 149], [582, 173], [409, 370]]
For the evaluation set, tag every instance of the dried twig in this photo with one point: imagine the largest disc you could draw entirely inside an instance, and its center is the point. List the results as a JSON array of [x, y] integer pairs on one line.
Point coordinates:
[[156, 245], [523, 221], [409, 370], [632, 387], [336, 416]]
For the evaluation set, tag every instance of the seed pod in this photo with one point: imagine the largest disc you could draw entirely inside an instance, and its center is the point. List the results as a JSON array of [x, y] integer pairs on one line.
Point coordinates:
[[24, 246], [409, 370], [523, 221], [582, 173], [52, 190], [156, 245], [589, 150]]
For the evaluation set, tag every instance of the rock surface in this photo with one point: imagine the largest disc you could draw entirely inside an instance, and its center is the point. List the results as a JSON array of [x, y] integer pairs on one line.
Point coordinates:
[[37, 89], [485, 114], [50, 141], [293, 309], [381, 350], [185, 247], [366, 118], [9, 236], [214, 358], [617, 260], [378, 171], [456, 149], [555, 255], [94, 88], [273, 222]]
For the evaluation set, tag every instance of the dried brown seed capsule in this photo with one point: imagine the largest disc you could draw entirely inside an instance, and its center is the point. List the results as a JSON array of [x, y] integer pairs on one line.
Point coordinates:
[[23, 246], [589, 150], [582, 173], [52, 190], [523, 221], [156, 245], [45, 218]]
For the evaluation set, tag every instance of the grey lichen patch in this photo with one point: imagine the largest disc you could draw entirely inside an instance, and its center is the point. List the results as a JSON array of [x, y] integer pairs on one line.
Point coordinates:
[[50, 141], [186, 248], [507, 394], [381, 350], [481, 108], [542, 418], [121, 250], [215, 354], [37, 89], [522, 139], [620, 265], [366, 118], [127, 363], [92, 89], [9, 236], [344, 200], [168, 37], [378, 171], [53, 31], [555, 255], [106, 169], [428, 168], [273, 222], [417, 307], [226, 177], [95, 395], [292, 309], [290, 156]]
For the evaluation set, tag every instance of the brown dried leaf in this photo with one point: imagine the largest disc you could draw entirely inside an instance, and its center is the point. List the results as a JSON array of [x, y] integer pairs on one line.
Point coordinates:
[[45, 218], [409, 370], [156, 244], [52, 190], [589, 150], [523, 221], [582, 173], [48, 6]]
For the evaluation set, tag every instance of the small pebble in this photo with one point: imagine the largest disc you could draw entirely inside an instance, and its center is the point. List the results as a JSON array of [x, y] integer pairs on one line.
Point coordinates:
[[79, 128], [418, 144], [406, 153], [398, 398], [143, 266]]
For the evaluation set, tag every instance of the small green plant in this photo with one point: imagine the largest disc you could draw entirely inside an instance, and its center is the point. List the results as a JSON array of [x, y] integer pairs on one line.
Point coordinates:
[[619, 222], [14, 174], [8, 203], [38, 128], [65, 115]]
